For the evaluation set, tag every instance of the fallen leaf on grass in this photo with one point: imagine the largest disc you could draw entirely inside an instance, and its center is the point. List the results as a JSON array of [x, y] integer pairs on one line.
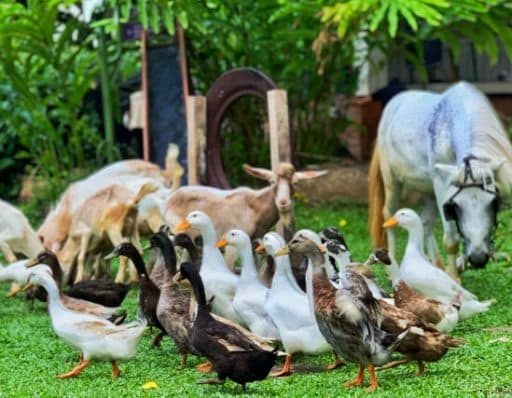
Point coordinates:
[[149, 385]]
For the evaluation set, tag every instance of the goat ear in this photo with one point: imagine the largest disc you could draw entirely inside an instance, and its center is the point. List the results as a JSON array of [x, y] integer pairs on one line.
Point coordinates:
[[258, 172], [305, 175]]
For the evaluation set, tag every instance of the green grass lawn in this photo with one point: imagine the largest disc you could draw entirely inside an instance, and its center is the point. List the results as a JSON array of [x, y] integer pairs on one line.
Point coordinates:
[[31, 354]]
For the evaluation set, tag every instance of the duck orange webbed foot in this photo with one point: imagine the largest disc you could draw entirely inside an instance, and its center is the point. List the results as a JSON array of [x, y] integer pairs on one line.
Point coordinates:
[[337, 363], [205, 367], [15, 289], [115, 370], [286, 370], [76, 371], [374, 383], [358, 380]]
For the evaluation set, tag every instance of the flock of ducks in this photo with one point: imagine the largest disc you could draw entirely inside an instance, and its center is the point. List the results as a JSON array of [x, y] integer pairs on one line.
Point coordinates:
[[309, 297]]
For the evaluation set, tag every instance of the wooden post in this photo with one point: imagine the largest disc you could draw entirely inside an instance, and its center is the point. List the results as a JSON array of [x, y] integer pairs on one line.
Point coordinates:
[[145, 95], [280, 147], [196, 138]]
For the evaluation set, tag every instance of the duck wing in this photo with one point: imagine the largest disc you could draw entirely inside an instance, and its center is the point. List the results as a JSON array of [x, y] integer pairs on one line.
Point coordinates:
[[359, 294], [230, 337]]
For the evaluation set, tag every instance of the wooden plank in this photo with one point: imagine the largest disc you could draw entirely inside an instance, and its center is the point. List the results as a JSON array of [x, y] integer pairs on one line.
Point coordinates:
[[280, 146], [196, 138], [280, 149], [183, 62], [145, 93]]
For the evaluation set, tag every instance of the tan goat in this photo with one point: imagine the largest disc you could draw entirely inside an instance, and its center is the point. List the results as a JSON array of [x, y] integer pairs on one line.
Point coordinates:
[[106, 219], [131, 173], [253, 211]]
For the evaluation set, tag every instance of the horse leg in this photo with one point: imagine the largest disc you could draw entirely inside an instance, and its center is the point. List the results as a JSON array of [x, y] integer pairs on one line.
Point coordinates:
[[428, 216], [391, 203], [450, 234]]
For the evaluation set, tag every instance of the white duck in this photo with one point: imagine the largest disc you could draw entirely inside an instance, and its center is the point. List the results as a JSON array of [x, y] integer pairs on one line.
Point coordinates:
[[290, 309], [95, 337], [251, 293], [15, 272], [219, 281], [418, 273]]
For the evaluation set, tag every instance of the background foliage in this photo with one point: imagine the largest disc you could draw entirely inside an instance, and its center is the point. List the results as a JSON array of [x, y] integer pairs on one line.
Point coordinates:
[[52, 57]]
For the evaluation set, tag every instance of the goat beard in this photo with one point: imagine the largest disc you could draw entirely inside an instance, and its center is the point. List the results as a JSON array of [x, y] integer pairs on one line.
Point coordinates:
[[286, 218]]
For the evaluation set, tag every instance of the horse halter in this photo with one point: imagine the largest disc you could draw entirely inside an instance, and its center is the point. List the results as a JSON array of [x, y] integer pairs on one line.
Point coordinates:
[[487, 185]]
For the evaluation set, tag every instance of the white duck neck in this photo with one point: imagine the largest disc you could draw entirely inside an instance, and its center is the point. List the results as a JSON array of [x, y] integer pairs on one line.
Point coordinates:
[[54, 300], [394, 271], [208, 234], [416, 237], [249, 273], [310, 290]]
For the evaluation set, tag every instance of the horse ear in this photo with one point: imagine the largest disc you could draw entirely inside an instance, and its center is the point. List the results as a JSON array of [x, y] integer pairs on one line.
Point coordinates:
[[305, 175], [259, 172], [449, 171]]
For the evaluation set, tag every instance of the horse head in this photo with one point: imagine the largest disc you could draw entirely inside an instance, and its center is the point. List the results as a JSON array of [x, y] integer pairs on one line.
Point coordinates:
[[472, 204]]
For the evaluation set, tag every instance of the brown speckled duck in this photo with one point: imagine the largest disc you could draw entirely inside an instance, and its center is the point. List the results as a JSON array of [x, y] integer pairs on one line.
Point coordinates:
[[348, 316], [443, 316], [423, 343]]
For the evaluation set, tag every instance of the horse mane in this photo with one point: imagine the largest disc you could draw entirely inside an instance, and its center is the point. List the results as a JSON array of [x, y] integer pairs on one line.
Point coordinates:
[[489, 140]]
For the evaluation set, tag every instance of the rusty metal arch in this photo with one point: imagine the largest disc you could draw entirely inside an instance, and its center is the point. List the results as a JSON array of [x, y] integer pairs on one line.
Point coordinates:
[[222, 94]]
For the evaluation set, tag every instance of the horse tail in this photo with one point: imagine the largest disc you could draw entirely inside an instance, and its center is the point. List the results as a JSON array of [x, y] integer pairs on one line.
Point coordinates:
[[376, 201]]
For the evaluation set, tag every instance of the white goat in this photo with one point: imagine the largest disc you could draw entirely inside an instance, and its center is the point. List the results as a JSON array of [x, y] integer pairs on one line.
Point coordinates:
[[253, 211]]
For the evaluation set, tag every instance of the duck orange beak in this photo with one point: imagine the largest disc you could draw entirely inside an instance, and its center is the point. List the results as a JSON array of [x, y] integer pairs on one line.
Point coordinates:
[[390, 223], [282, 252], [182, 226], [31, 263], [322, 249], [260, 248], [222, 243]]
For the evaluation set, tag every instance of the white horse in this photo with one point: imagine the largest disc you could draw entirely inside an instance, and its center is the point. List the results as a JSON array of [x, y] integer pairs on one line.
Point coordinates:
[[452, 150]]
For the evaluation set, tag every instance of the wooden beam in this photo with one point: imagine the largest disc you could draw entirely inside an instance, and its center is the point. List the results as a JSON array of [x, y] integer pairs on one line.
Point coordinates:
[[145, 94], [280, 146], [196, 138], [183, 62]]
